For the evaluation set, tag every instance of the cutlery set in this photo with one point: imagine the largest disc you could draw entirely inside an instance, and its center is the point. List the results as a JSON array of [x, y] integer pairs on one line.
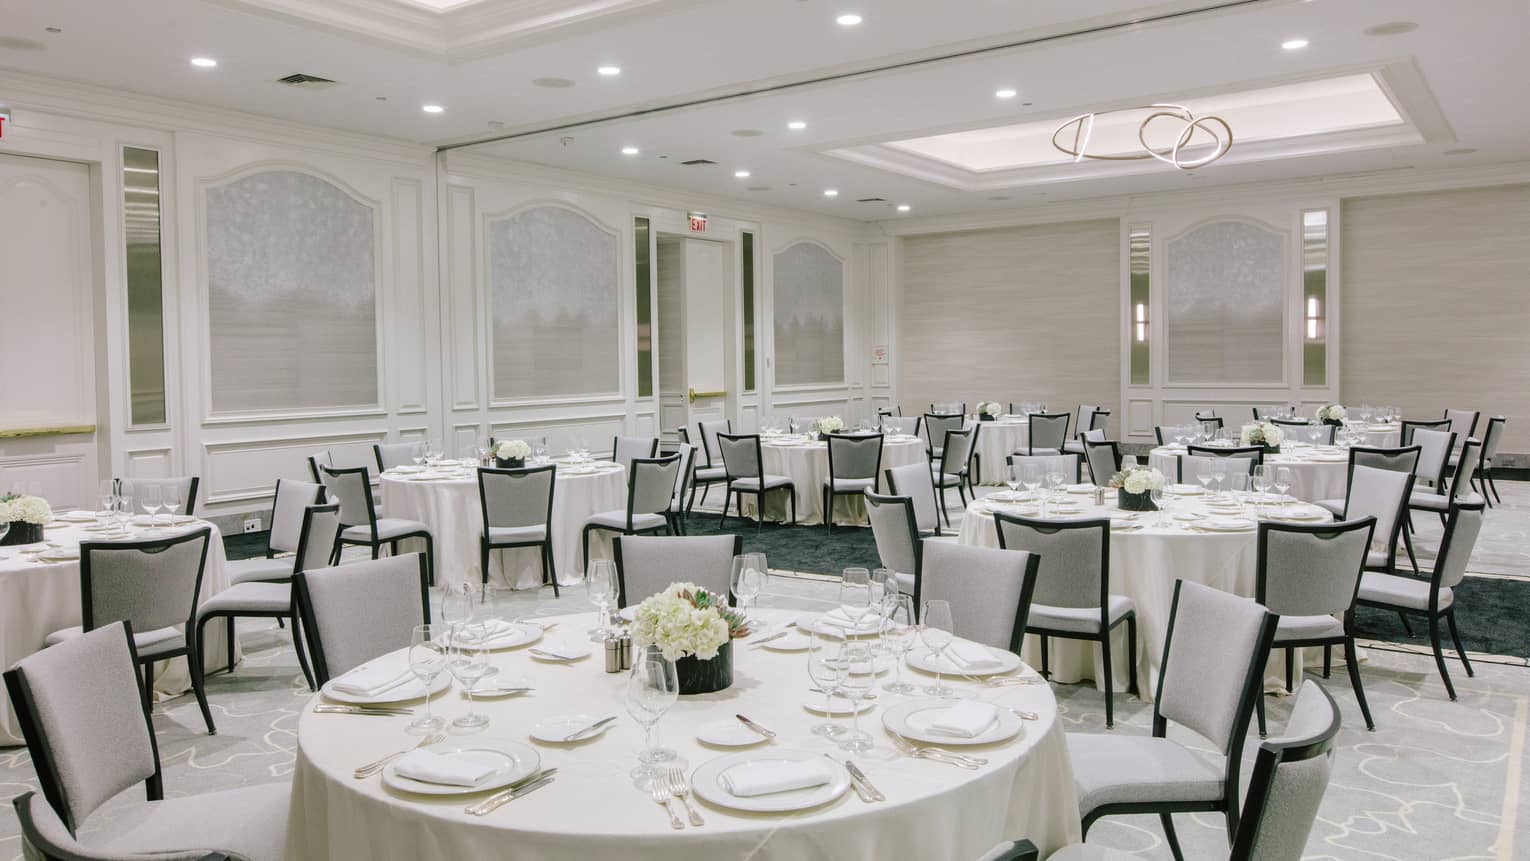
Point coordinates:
[[939, 754], [374, 767], [326, 709], [861, 783], [521, 788]]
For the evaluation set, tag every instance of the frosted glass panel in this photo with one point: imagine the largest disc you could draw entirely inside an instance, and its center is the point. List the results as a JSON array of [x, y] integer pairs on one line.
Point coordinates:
[[554, 297], [1224, 301], [290, 294], [809, 316]]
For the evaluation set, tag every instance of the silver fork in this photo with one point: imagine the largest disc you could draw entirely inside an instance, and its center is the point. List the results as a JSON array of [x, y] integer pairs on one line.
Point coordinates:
[[939, 754], [660, 791], [372, 768], [681, 790]]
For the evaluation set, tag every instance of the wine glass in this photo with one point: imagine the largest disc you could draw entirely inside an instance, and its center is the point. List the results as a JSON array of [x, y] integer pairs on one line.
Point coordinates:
[[1030, 476], [827, 671], [1156, 494], [748, 578], [172, 501], [884, 592], [124, 510], [1013, 480], [898, 632], [652, 689], [151, 499], [1204, 474], [456, 605], [107, 497], [1282, 482], [937, 630], [427, 659], [855, 595], [601, 587], [469, 663], [1219, 474], [860, 677]]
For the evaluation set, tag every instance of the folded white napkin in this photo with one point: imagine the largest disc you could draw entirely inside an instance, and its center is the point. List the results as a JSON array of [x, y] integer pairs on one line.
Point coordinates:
[[964, 720], [563, 649], [838, 618], [369, 680], [493, 628], [971, 656], [464, 768], [751, 780]]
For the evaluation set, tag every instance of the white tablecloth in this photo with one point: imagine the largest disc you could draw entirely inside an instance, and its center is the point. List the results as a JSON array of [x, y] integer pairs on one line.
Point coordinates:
[[1143, 566], [450, 507], [592, 811], [996, 440], [38, 598], [807, 465], [1317, 472], [1378, 435]]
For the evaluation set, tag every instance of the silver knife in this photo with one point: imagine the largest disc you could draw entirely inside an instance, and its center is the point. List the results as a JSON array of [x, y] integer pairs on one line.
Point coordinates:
[[860, 776], [776, 636], [860, 788], [589, 730], [754, 726], [355, 710], [516, 790]]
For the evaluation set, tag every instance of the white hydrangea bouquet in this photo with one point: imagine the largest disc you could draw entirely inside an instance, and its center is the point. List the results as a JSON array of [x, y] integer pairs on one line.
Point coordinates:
[[1262, 434], [26, 516], [1133, 486], [692, 627], [1331, 414], [513, 450], [829, 424], [990, 409]]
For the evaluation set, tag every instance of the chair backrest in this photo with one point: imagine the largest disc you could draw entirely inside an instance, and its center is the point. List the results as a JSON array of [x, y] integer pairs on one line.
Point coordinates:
[[516, 497], [1434, 454], [956, 451], [709, 431], [1251, 452], [1291, 423], [1291, 773], [360, 611], [186, 484], [687, 472], [907, 425], [1491, 439], [936, 425], [352, 490], [1213, 666], [1190, 466], [1463, 423], [950, 408], [1311, 570], [989, 590], [889, 411], [80, 706], [394, 454], [319, 541], [1209, 420], [1070, 464], [1085, 418], [1047, 431], [854, 456], [1098, 421], [151, 583], [1395, 459], [895, 528], [1382, 494], [625, 449], [292, 499], [651, 484], [1409, 426], [647, 564], [740, 454], [1075, 559], [913, 480], [318, 459], [1317, 433], [44, 837], [1104, 459], [1462, 526], [1466, 470]]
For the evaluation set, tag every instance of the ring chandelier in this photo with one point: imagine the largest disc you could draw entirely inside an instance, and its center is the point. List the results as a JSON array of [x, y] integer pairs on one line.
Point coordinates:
[[1083, 128]]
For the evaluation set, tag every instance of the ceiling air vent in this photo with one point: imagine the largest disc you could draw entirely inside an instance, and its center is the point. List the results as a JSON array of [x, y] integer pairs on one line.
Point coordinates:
[[872, 200], [306, 82], [697, 162]]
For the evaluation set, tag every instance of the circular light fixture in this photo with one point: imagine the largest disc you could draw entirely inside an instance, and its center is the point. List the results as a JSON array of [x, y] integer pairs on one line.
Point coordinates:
[[1005, 93], [796, 125], [1213, 127], [54, 29], [831, 192], [903, 207], [1294, 44], [432, 109], [741, 174], [203, 62], [610, 71], [629, 150], [849, 20]]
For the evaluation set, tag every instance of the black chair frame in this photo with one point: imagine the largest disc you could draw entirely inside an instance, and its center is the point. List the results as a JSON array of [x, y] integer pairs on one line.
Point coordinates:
[[830, 492], [669, 526], [759, 495], [374, 542], [705, 486], [304, 602], [621, 574], [485, 546]]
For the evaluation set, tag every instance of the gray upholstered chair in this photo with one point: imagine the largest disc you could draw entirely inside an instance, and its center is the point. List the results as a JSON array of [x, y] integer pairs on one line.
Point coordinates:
[[895, 528], [1091, 419], [1210, 420], [935, 427], [650, 489], [1396, 459], [1308, 575], [1285, 788], [1213, 667], [1104, 459], [390, 455], [153, 585], [1382, 494], [44, 838], [186, 484], [1433, 598], [1491, 438], [954, 467], [1408, 426], [647, 564], [318, 459], [1435, 447], [1047, 433], [1463, 423], [683, 485], [989, 590], [291, 500], [745, 465], [360, 611], [914, 481], [855, 461], [318, 539], [906, 425], [1072, 599], [950, 408], [889, 411], [1437, 499], [1250, 452], [626, 449], [517, 506], [1013, 850], [352, 489], [1067, 464], [709, 468], [82, 711], [1238, 469]]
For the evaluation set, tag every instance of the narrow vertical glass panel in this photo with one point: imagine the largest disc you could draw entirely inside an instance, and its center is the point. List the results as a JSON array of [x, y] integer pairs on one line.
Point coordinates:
[[146, 313], [748, 302], [1140, 243], [1315, 297], [641, 235]]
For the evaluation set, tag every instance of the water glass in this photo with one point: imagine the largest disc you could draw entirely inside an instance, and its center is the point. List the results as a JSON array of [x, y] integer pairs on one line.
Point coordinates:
[[151, 498], [652, 689], [600, 584], [860, 677], [898, 632], [427, 660], [827, 670], [937, 630], [855, 595], [469, 664], [748, 579], [457, 605], [172, 501]]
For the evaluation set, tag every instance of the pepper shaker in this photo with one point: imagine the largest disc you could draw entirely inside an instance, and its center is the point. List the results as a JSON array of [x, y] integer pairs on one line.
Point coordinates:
[[1099, 495], [613, 655], [626, 652]]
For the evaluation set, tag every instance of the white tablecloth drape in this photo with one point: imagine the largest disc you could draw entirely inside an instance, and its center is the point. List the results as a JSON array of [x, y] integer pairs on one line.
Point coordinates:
[[592, 811], [807, 465], [38, 598], [1320, 472], [450, 507], [1380, 435], [996, 440]]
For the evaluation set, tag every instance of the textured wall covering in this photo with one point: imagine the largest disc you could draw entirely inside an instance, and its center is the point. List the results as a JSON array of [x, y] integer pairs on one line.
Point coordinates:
[[1224, 295], [809, 315], [556, 306], [1012, 314], [291, 302], [1436, 304]]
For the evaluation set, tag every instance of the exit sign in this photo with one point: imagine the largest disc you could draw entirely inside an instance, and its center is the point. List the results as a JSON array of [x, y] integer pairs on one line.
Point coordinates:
[[5, 117], [698, 221]]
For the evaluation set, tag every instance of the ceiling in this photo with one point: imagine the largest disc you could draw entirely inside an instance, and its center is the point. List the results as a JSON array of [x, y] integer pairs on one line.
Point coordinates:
[[726, 77]]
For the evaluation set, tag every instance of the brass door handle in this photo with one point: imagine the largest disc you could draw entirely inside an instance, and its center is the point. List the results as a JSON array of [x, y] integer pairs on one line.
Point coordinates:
[[692, 395]]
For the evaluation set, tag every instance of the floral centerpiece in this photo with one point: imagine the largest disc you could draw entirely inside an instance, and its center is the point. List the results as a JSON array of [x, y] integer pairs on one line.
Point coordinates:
[[1134, 486], [511, 453], [1333, 414], [695, 629], [989, 410], [1263, 434], [828, 425], [26, 515]]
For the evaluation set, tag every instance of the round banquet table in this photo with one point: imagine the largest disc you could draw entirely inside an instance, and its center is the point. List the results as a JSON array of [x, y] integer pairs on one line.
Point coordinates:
[[1144, 563], [592, 810], [1317, 472], [1379, 434], [807, 465], [38, 597], [446, 501], [995, 441]]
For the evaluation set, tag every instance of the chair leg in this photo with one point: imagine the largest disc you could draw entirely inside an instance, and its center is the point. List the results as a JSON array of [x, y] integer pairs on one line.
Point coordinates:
[[430, 559], [940, 492], [1455, 636], [1168, 833], [148, 686], [792, 491], [1327, 660], [229, 644], [194, 661], [483, 563], [961, 492], [1110, 685], [727, 500], [1353, 663], [1492, 484], [828, 509], [297, 646], [1046, 673], [1290, 667], [201, 632], [376, 551], [1131, 655], [585, 548], [691, 503], [1439, 655], [550, 563], [280, 622], [1259, 713], [1407, 534]]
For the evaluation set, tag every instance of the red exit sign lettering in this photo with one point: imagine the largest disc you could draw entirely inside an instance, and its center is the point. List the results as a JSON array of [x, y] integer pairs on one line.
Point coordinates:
[[4, 118], [698, 221]]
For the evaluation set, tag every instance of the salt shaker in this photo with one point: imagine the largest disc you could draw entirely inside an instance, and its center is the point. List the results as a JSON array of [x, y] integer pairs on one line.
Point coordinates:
[[626, 652], [613, 655], [1099, 495]]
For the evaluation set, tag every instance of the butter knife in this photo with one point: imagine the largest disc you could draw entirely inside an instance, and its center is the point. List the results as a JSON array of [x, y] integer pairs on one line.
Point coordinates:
[[516, 790], [776, 636], [356, 710], [754, 726], [861, 778], [589, 730]]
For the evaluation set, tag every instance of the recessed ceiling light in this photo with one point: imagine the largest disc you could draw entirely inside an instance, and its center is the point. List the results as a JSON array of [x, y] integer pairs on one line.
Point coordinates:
[[903, 207], [1005, 93], [741, 174], [746, 133], [1466, 150], [849, 20], [552, 83], [610, 71], [432, 109], [1391, 28], [1294, 44], [796, 125], [203, 62], [629, 150], [831, 192], [54, 29]]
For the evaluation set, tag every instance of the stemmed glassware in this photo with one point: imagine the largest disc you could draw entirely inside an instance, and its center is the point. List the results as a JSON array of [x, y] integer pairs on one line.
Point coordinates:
[[1219, 474], [601, 586], [1012, 478], [1030, 476], [937, 630], [652, 689], [152, 499], [855, 596], [1156, 494], [469, 664], [172, 501], [124, 510], [748, 579], [107, 496], [1282, 481], [827, 671], [860, 677], [898, 632], [1261, 482], [1205, 474], [427, 659], [457, 606]]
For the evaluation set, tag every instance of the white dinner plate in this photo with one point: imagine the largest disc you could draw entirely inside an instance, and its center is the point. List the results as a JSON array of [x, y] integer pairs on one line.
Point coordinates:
[[518, 635], [706, 780], [728, 732], [62, 554], [794, 641], [811, 622], [1080, 489], [163, 520], [76, 517], [1009, 496], [912, 721], [407, 468], [499, 685], [521, 760], [566, 650], [838, 705], [923, 659], [554, 730], [1226, 524], [1298, 514], [414, 689]]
